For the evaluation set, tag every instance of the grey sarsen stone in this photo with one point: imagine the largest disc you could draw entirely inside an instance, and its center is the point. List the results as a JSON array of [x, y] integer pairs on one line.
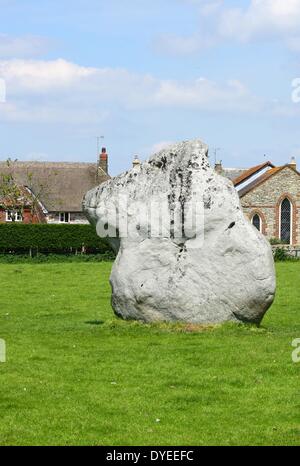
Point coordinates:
[[219, 269]]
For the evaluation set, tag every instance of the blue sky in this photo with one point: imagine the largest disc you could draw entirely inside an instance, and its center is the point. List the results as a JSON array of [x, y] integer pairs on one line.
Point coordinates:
[[145, 74]]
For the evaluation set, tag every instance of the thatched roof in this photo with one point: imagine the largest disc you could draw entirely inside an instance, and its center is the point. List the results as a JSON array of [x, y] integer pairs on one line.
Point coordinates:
[[233, 173], [60, 186]]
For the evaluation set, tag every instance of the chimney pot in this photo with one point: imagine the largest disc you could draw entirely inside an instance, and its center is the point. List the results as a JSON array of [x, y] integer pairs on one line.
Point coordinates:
[[218, 166], [136, 162], [293, 163], [103, 160], [103, 155]]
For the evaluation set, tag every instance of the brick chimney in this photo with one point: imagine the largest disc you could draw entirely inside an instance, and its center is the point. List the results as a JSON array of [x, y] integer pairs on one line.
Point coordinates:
[[103, 160], [293, 163]]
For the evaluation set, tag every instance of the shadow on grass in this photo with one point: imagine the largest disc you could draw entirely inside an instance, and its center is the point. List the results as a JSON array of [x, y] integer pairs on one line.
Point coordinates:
[[118, 324], [94, 322]]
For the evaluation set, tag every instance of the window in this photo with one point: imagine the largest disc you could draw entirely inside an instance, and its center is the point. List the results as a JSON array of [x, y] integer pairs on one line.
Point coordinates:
[[256, 221], [285, 221], [18, 217], [64, 217], [12, 216]]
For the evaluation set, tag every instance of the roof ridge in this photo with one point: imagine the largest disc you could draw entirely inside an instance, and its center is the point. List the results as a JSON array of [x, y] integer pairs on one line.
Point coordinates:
[[250, 172], [44, 162], [263, 177]]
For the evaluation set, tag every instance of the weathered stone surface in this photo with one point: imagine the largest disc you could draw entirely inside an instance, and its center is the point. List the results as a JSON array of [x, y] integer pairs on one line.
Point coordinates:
[[217, 268]]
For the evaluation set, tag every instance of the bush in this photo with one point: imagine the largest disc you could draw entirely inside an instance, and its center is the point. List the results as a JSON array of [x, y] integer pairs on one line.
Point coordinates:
[[55, 258], [23, 238], [280, 254]]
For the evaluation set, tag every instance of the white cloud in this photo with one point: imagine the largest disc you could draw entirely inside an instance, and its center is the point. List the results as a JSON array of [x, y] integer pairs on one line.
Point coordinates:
[[205, 94], [218, 23], [262, 18], [2, 90], [42, 76], [23, 46], [59, 90]]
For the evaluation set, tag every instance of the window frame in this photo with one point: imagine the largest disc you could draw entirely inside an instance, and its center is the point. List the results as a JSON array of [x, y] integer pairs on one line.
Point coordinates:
[[286, 198], [64, 215], [256, 214], [18, 217]]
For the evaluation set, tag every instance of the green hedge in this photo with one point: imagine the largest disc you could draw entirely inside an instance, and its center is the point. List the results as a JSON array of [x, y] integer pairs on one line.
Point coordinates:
[[55, 258], [23, 238]]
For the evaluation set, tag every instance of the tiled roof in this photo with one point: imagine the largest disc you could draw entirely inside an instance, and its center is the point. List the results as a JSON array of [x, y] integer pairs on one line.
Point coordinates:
[[251, 172], [265, 176]]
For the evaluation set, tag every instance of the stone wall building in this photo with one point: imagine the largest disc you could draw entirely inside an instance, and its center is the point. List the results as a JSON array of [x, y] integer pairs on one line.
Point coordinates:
[[270, 197], [58, 186]]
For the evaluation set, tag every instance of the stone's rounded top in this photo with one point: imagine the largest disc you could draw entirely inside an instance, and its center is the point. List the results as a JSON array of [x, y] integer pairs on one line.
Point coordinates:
[[193, 146], [185, 154]]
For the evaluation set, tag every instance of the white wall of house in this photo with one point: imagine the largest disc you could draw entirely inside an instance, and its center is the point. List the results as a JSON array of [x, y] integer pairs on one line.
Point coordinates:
[[67, 217]]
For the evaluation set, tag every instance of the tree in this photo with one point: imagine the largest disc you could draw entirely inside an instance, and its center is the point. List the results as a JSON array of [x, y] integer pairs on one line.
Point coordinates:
[[12, 197], [16, 197]]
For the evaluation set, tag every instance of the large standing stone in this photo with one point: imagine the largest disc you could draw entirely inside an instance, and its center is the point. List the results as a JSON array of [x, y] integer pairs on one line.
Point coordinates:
[[204, 262]]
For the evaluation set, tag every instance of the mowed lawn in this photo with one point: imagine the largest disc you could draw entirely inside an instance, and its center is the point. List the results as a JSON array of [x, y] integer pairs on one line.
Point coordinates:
[[76, 375]]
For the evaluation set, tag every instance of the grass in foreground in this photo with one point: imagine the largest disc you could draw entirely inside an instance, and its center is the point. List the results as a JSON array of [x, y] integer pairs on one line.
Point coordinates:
[[77, 375]]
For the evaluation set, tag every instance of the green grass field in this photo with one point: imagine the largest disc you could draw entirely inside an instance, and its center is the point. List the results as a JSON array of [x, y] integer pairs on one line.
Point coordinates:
[[75, 375]]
